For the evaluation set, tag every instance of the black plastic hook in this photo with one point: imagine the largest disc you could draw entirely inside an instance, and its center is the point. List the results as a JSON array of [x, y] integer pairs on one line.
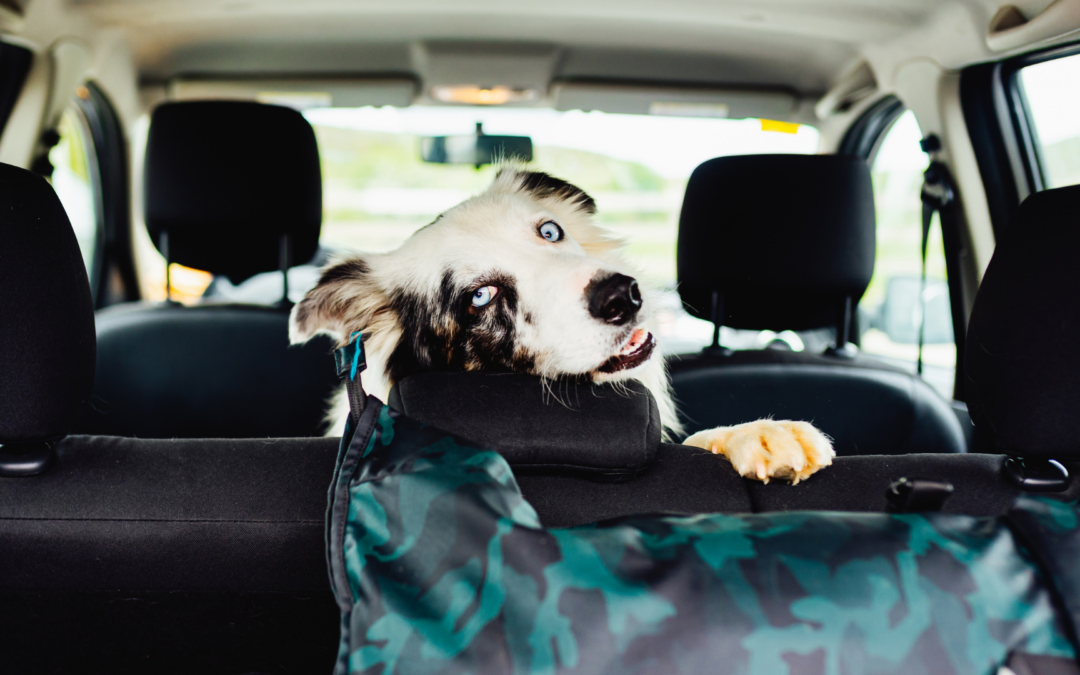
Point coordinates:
[[25, 459]]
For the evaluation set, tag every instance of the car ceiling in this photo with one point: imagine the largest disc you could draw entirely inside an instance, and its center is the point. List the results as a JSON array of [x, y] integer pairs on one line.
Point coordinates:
[[804, 45]]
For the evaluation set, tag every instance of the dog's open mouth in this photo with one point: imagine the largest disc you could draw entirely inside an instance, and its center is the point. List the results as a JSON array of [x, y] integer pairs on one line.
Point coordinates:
[[636, 351]]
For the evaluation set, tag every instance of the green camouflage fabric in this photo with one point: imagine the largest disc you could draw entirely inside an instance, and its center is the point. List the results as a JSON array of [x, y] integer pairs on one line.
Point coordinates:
[[441, 566]]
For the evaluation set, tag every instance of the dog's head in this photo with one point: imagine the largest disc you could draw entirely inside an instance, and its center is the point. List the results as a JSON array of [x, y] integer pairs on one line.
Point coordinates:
[[517, 278]]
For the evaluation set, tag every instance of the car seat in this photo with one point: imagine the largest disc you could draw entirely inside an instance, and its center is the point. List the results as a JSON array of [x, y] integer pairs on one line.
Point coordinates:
[[233, 188], [786, 242]]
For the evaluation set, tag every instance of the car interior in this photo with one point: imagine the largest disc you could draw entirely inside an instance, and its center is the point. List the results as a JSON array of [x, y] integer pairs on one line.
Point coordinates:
[[857, 215]]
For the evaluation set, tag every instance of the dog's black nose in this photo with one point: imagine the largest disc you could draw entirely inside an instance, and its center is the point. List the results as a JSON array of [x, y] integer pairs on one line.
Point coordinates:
[[614, 298]]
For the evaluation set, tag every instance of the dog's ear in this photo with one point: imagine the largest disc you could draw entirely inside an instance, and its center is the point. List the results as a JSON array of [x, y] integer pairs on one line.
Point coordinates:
[[346, 299]]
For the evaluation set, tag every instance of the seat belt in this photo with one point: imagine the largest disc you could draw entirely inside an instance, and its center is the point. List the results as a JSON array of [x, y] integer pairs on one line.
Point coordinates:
[[937, 193]]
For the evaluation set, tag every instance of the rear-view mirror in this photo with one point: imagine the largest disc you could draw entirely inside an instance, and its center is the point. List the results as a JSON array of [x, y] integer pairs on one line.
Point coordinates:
[[900, 315], [477, 149]]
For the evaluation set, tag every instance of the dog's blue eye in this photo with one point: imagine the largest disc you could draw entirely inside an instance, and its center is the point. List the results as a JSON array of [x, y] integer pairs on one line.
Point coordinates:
[[483, 295], [551, 231]]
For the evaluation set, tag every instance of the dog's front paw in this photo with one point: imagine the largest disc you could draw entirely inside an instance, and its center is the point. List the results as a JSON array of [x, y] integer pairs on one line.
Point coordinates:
[[769, 449]]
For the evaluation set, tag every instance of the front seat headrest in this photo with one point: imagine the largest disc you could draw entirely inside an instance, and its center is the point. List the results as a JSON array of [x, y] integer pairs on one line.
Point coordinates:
[[607, 432], [783, 239], [1022, 361], [226, 180], [47, 341]]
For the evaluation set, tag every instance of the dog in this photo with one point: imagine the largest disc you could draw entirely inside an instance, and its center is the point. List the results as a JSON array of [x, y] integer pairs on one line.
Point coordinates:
[[521, 279]]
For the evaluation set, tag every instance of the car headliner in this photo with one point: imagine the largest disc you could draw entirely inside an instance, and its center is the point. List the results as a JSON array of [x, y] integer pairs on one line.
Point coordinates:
[[804, 46]]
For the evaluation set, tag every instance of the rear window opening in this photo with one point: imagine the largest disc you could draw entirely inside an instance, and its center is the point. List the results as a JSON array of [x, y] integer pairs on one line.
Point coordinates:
[[378, 191]]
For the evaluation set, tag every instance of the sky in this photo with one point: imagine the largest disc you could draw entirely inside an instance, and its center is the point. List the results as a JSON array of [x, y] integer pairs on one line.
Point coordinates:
[[671, 146], [1053, 92]]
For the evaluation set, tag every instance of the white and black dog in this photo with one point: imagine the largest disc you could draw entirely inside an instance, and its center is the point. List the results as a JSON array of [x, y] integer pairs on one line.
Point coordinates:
[[519, 278]]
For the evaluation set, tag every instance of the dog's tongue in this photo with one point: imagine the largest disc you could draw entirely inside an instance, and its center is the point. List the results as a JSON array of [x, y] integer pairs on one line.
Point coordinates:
[[636, 340]]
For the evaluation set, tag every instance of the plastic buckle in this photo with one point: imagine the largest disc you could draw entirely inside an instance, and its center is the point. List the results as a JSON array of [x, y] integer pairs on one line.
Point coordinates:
[[350, 359], [917, 495], [1032, 474]]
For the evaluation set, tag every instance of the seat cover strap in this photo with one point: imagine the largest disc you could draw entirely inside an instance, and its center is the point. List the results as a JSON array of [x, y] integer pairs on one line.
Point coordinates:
[[350, 362]]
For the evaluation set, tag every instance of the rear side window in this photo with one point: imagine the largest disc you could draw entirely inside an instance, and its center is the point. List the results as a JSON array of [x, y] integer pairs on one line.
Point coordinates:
[[74, 178], [1052, 90], [891, 311]]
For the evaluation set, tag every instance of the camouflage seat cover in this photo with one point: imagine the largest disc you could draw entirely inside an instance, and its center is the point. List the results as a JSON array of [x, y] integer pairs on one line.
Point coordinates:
[[440, 566]]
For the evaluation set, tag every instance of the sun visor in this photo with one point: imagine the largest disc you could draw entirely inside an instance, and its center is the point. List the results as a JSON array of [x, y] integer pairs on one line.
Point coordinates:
[[673, 101], [299, 93]]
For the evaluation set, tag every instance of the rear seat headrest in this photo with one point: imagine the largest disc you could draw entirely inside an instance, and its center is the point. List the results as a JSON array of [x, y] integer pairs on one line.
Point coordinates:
[[603, 431], [1022, 362], [47, 341], [226, 179], [783, 238]]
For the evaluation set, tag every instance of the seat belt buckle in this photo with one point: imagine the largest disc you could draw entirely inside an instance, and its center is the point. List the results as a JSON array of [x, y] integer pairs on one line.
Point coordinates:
[[350, 360]]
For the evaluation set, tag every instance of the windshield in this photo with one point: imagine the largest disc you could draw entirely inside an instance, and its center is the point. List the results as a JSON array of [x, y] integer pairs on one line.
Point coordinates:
[[377, 191]]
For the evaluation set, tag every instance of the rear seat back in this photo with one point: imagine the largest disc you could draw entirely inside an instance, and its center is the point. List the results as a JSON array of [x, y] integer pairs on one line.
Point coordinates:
[[787, 242], [235, 189]]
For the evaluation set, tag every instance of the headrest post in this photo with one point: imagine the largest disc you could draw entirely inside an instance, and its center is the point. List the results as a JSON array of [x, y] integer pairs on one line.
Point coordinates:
[[843, 349], [844, 324], [284, 263], [716, 315], [163, 246]]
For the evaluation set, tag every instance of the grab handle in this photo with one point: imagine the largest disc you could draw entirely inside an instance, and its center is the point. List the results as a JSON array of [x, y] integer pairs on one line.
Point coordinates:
[[1009, 29]]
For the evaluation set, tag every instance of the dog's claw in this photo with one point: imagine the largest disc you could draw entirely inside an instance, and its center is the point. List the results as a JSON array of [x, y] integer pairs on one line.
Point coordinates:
[[769, 449]]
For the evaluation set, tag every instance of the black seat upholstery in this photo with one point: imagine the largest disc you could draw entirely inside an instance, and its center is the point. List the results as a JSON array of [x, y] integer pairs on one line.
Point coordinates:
[[1022, 368], [232, 188], [786, 242], [47, 338], [146, 555]]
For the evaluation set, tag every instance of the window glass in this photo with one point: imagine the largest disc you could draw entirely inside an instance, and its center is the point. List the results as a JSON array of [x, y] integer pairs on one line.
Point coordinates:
[[891, 311], [75, 182], [377, 190], [1052, 89]]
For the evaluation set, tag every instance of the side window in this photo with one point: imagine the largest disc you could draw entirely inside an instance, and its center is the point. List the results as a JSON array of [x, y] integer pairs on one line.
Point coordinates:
[[1053, 100], [75, 180], [892, 312]]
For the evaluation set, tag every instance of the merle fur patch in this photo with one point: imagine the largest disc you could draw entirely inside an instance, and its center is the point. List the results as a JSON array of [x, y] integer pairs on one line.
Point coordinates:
[[542, 186], [445, 335]]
